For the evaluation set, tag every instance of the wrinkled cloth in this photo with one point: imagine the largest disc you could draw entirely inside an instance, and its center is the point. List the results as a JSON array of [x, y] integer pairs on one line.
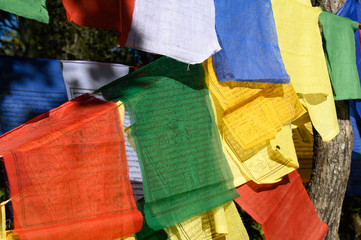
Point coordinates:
[[33, 9], [247, 33], [253, 121], [284, 209], [110, 14], [223, 222], [68, 174], [340, 55], [29, 87], [302, 53], [184, 170], [183, 30]]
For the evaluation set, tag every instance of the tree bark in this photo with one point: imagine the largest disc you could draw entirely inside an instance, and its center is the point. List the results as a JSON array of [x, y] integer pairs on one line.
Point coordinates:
[[331, 169], [329, 5], [332, 160]]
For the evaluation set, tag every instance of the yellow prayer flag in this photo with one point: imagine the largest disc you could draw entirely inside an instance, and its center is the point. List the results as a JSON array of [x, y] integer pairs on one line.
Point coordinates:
[[302, 53], [253, 121], [223, 222], [268, 165], [253, 112]]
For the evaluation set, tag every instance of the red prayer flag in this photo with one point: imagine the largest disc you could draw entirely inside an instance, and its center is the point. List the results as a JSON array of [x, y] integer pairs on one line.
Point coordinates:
[[110, 14], [283, 209], [68, 174]]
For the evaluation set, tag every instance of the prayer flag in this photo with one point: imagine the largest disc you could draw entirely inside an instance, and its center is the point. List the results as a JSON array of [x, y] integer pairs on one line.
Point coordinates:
[[340, 55], [135, 175], [302, 53], [68, 175], [183, 30], [183, 167], [247, 33], [29, 87], [223, 222], [33, 9], [284, 209], [354, 181], [85, 77], [352, 10], [253, 120]]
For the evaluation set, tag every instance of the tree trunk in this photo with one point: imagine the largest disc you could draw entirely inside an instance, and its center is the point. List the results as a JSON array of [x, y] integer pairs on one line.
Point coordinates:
[[329, 5], [332, 160], [331, 169]]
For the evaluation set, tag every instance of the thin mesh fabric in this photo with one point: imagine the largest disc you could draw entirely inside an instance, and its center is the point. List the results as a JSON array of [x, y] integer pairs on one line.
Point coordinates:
[[247, 34], [302, 53], [284, 209], [183, 167], [68, 174], [33, 9], [253, 120], [111, 14], [340, 55]]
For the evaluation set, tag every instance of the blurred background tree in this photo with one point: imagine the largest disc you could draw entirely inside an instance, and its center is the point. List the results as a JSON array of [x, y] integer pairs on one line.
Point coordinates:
[[61, 39]]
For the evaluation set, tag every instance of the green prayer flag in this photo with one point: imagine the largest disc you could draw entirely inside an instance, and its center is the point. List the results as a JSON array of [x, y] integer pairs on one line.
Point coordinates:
[[340, 53], [33, 9], [183, 166]]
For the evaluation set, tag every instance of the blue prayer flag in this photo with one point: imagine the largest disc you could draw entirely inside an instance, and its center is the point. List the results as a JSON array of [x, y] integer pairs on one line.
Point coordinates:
[[29, 87], [352, 10], [247, 34]]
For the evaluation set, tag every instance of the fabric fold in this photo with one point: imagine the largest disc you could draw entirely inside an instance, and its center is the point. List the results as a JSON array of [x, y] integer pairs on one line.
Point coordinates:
[[223, 222], [253, 120], [247, 33]]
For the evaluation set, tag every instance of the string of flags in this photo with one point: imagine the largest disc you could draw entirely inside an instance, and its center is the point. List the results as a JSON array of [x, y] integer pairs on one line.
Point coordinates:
[[92, 151]]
